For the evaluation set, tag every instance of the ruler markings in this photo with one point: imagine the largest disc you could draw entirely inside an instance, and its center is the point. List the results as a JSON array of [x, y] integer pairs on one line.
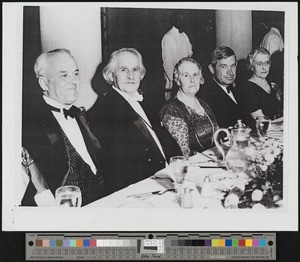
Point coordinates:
[[177, 246]]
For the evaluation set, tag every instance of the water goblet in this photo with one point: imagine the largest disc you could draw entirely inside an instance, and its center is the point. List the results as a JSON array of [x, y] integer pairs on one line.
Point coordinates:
[[68, 196], [179, 166], [262, 126]]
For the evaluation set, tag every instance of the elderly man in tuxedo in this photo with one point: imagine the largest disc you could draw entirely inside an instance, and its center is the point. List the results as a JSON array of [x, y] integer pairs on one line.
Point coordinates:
[[135, 144], [220, 91], [56, 133]]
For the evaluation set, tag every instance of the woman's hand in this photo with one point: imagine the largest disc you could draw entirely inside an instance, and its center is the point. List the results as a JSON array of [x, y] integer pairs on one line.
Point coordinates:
[[257, 114]]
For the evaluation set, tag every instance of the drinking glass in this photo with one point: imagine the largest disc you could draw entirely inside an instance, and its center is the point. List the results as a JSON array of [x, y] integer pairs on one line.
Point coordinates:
[[179, 166], [68, 196], [262, 126]]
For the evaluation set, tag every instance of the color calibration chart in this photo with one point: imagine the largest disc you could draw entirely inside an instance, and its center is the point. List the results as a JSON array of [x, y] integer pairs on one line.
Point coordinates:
[[150, 246]]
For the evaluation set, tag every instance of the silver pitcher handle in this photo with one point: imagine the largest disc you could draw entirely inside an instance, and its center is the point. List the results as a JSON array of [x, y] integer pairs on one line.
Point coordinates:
[[218, 145]]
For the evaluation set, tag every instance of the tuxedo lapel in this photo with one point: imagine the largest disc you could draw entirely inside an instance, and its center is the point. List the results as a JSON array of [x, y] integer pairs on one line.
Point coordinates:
[[91, 142], [55, 144], [50, 125], [140, 124], [221, 93], [128, 112]]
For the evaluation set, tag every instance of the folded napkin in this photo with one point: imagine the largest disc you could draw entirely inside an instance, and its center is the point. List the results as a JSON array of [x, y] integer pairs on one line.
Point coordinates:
[[165, 178]]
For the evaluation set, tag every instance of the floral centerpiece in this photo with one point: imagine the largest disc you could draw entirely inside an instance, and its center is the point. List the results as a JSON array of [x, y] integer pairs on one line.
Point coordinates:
[[264, 189]]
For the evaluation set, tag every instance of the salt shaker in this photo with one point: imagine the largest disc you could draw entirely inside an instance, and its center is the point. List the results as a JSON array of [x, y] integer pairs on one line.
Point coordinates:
[[186, 200], [206, 188]]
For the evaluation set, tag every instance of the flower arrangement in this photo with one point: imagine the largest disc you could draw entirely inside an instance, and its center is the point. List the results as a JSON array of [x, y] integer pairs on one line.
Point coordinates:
[[264, 189]]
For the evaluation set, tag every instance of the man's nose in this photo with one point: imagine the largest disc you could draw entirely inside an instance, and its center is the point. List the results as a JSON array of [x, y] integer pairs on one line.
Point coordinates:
[[73, 79], [192, 79], [130, 74], [230, 71]]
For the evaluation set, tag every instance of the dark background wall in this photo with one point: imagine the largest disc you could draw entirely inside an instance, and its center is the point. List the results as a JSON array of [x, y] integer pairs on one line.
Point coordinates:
[[260, 19], [31, 50], [143, 29]]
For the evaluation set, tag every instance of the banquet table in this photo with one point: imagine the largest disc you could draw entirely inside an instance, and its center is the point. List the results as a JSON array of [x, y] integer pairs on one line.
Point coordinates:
[[205, 164], [194, 177]]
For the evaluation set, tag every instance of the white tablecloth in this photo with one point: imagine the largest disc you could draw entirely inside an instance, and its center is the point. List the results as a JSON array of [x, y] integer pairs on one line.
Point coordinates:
[[194, 178]]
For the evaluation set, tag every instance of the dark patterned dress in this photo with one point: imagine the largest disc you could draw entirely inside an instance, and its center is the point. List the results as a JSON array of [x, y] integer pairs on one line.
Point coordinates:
[[192, 131], [26, 160]]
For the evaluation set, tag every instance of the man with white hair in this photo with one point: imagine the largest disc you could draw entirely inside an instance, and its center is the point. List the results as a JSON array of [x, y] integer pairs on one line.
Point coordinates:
[[135, 144], [56, 134]]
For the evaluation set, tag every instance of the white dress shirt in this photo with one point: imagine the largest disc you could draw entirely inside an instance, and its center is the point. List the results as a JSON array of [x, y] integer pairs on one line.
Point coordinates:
[[133, 101], [174, 46], [230, 94], [70, 127], [44, 198]]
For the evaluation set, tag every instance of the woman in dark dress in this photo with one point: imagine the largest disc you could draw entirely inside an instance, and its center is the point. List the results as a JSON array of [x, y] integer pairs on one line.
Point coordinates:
[[258, 97], [189, 119]]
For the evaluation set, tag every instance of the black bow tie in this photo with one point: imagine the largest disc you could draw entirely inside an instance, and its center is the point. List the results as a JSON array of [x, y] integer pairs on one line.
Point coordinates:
[[229, 89], [72, 112]]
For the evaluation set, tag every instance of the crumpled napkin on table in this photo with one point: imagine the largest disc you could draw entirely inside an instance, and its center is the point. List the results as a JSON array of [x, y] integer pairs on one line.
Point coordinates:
[[165, 178]]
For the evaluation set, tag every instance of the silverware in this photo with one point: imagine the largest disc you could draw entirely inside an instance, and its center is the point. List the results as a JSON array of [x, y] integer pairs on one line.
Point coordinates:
[[218, 162], [201, 162], [160, 192], [223, 167]]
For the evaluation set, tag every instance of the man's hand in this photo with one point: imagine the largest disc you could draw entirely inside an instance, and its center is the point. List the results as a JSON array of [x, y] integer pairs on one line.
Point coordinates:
[[37, 178]]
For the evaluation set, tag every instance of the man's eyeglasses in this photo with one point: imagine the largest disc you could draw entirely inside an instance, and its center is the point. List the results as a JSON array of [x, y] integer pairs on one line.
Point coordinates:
[[261, 64]]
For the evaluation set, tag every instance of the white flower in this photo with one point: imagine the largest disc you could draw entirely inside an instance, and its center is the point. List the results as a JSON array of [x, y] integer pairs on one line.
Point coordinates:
[[258, 206], [231, 200], [257, 195], [269, 157], [268, 150], [264, 167], [277, 151], [276, 198]]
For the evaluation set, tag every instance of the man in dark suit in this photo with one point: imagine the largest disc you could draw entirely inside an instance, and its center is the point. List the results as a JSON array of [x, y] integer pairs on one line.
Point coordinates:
[[220, 91], [56, 133], [135, 144]]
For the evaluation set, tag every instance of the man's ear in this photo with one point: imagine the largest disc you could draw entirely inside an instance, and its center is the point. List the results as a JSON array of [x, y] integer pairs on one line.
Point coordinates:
[[211, 69], [178, 82], [111, 77], [202, 80], [43, 82]]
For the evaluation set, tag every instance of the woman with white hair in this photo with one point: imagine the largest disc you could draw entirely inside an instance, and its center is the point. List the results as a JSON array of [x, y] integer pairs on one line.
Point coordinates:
[[259, 97], [189, 119]]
